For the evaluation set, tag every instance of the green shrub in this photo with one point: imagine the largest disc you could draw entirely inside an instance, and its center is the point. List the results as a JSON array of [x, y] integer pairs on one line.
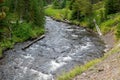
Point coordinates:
[[110, 23], [56, 4], [118, 31], [1, 53], [22, 31], [6, 43]]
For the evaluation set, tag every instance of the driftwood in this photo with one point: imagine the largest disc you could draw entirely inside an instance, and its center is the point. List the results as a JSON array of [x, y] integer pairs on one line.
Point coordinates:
[[34, 41], [97, 27]]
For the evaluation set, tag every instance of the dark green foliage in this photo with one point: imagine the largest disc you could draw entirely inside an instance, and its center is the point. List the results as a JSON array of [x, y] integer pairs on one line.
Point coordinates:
[[118, 31], [37, 12], [20, 20], [2, 19], [80, 11], [63, 4], [44, 3], [59, 4], [28, 10], [10, 4], [112, 6], [102, 16], [56, 4], [77, 15], [71, 3], [22, 30], [48, 1], [95, 1]]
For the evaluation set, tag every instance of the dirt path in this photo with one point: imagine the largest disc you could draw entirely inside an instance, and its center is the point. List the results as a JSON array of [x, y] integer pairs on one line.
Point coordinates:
[[109, 69]]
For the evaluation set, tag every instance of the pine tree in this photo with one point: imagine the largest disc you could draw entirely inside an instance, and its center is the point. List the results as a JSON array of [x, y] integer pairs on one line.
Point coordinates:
[[28, 10], [112, 6], [2, 17], [81, 9], [63, 4], [56, 4], [37, 12]]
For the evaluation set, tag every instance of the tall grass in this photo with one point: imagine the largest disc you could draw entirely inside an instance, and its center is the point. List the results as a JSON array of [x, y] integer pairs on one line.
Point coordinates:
[[111, 23], [58, 13]]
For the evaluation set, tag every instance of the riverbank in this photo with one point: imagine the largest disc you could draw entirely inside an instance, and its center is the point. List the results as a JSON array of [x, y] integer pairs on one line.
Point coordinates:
[[63, 47], [111, 23], [22, 35], [107, 69], [92, 70], [109, 37]]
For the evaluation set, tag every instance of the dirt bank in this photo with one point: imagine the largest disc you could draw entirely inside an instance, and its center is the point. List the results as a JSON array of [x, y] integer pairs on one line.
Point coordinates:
[[109, 69]]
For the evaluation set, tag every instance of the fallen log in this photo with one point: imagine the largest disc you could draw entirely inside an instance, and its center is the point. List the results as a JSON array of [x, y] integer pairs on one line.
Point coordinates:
[[34, 41]]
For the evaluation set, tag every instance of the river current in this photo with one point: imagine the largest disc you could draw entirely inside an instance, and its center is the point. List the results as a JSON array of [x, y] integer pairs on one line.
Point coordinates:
[[64, 47]]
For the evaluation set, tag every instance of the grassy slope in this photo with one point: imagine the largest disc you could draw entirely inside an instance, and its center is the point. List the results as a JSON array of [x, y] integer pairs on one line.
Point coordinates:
[[110, 24]]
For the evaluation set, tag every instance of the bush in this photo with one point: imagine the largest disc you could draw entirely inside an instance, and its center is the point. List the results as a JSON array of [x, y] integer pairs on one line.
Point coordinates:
[[56, 4], [22, 31], [118, 31], [112, 6], [0, 52]]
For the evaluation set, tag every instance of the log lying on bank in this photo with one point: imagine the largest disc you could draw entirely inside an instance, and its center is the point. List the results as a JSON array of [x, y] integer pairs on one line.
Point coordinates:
[[34, 41]]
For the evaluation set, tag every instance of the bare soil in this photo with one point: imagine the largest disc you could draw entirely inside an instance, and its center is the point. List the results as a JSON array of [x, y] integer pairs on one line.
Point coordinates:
[[109, 69], [109, 39]]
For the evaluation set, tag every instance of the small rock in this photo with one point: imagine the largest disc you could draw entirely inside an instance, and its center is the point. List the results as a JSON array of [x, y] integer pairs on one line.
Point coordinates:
[[100, 70]]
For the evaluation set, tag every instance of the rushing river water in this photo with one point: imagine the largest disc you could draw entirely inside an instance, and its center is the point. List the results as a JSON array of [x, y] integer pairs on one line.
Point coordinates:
[[63, 47]]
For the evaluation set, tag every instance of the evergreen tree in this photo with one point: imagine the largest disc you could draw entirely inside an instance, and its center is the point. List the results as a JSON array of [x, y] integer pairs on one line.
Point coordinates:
[[95, 1], [112, 6], [63, 4], [37, 12], [81, 9], [28, 10], [71, 3], [56, 4], [2, 17]]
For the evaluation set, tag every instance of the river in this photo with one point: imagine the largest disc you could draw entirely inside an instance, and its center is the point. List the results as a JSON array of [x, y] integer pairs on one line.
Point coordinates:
[[63, 47]]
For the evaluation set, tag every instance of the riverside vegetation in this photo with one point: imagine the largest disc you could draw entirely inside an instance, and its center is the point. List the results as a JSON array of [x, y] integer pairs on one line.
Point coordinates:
[[20, 20], [83, 12]]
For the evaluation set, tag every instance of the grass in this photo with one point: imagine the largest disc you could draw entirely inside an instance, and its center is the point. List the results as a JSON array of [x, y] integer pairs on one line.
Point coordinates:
[[20, 33], [111, 23], [77, 70], [59, 14], [99, 12], [80, 69]]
